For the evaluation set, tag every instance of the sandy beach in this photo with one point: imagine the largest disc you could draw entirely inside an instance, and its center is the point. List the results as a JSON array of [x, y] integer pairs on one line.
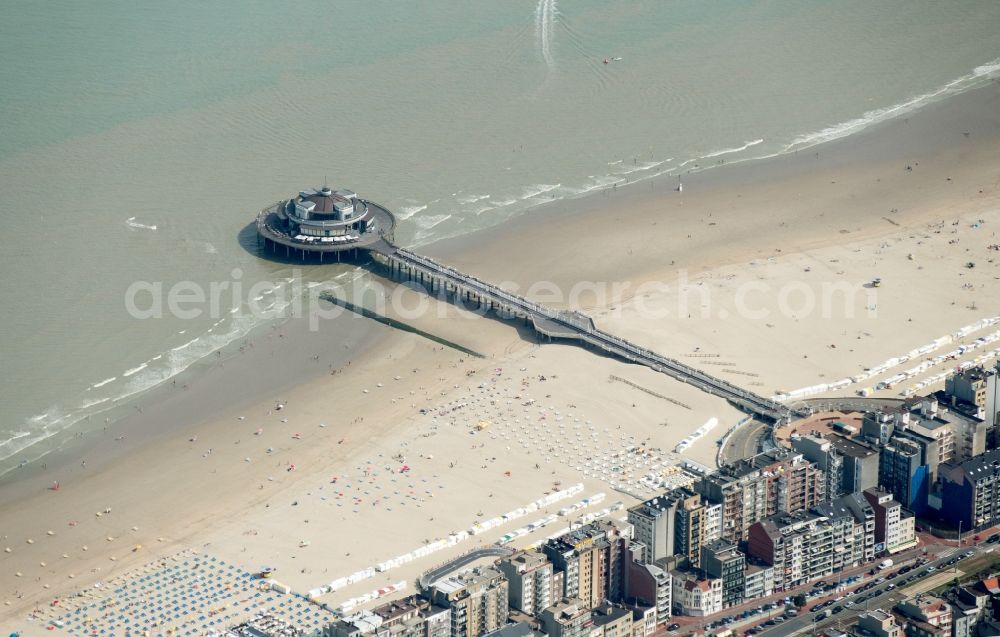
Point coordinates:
[[387, 441]]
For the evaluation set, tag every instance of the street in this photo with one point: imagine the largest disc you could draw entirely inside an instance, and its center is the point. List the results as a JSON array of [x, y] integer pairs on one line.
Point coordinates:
[[935, 550], [878, 597]]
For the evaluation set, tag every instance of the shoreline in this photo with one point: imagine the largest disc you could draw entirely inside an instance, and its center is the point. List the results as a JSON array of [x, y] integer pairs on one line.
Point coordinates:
[[202, 476], [835, 154], [936, 129], [194, 397]]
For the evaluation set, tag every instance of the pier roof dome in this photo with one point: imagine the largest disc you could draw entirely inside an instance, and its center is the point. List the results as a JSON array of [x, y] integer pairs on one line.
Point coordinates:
[[326, 201]]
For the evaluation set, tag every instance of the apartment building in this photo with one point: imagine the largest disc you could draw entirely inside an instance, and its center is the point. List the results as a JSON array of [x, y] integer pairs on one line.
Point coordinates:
[[859, 466], [649, 584], [970, 491], [589, 563], [895, 527], [653, 522], [929, 609], [410, 616], [758, 580], [477, 599], [529, 577], [906, 471], [854, 523], [753, 489], [821, 452], [695, 596], [568, 617], [808, 545], [610, 620], [877, 623], [689, 533], [722, 560]]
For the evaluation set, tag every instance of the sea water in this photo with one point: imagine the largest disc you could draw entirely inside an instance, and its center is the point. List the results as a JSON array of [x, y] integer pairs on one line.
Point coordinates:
[[139, 140]]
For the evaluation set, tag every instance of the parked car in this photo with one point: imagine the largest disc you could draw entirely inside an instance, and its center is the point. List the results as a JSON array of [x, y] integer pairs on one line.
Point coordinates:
[[673, 626], [993, 539]]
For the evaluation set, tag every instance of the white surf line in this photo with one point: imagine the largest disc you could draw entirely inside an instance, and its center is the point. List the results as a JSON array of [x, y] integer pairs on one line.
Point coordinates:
[[132, 223], [544, 16]]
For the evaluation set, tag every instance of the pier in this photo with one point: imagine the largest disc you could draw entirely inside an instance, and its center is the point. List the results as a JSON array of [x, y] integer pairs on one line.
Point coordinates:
[[326, 222], [566, 325]]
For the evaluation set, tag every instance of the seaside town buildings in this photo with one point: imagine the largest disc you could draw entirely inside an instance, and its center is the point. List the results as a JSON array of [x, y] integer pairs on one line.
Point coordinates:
[[411, 616], [978, 390], [777, 522], [529, 575], [477, 599], [695, 595], [748, 491], [878, 623], [567, 618], [971, 491], [722, 560], [895, 527], [589, 561], [649, 585]]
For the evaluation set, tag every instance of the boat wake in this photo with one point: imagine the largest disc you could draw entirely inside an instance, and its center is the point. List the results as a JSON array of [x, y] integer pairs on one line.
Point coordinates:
[[545, 15], [132, 223]]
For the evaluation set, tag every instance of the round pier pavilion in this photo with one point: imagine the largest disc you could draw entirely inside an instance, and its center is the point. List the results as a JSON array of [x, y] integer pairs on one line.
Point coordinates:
[[325, 224]]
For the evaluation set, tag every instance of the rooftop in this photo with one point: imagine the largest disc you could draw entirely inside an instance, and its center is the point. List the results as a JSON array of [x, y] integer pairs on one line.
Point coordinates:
[[845, 506], [851, 448], [326, 200], [478, 576], [520, 629], [982, 465], [607, 614], [654, 506]]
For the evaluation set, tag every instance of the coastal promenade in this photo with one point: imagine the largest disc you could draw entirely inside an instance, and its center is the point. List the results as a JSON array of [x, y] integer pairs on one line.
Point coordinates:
[[463, 560], [566, 325]]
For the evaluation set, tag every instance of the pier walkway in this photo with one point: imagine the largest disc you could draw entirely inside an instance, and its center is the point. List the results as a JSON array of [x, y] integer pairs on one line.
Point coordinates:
[[570, 325]]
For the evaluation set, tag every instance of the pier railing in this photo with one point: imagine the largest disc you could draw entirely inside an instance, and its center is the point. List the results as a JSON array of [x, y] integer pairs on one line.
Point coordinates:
[[577, 326]]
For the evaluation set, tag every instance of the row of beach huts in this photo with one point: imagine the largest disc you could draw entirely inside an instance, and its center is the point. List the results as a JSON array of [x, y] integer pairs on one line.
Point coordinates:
[[452, 539], [389, 589], [896, 361], [527, 529], [683, 445]]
